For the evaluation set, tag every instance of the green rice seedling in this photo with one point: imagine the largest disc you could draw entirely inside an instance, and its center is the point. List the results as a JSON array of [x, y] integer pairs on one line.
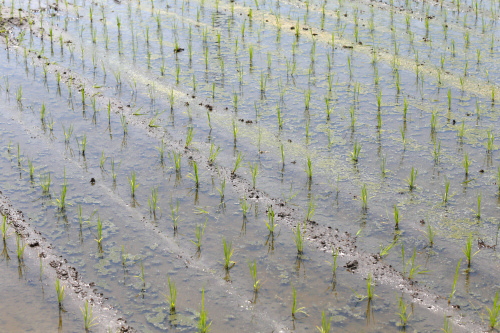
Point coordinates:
[[282, 151], [102, 160], [133, 183], [403, 311], [254, 170], [199, 231], [325, 324], [412, 179], [295, 309], [161, 150], [113, 171], [172, 297], [174, 214], [379, 100], [384, 250], [270, 224], [455, 280], [19, 158], [364, 197], [461, 131], [279, 117], [176, 157], [446, 325], [414, 269], [19, 95], [494, 313], [244, 206], [489, 143], [335, 255], [355, 151], [20, 247], [446, 195], [60, 293], [124, 123], [396, 217], [189, 136], [466, 163], [4, 227], [252, 266], [43, 111], [45, 183], [498, 179], [203, 324], [153, 201], [31, 169], [237, 162], [467, 250], [222, 189], [214, 151], [478, 210], [61, 201], [434, 121], [430, 234], [383, 163], [88, 316], [194, 176], [311, 209], [299, 240], [353, 116], [99, 231], [309, 170], [228, 253], [82, 144]]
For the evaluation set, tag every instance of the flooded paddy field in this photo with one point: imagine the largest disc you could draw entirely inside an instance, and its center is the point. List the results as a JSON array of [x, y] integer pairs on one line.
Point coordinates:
[[249, 166]]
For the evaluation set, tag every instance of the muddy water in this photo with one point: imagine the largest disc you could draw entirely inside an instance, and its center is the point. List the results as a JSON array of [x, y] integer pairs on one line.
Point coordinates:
[[240, 83]]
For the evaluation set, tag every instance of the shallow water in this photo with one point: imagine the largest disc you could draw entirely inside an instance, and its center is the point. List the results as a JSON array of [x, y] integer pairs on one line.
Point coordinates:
[[138, 67]]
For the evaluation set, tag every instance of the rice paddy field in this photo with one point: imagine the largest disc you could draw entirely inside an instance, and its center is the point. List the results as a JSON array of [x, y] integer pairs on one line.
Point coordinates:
[[249, 166]]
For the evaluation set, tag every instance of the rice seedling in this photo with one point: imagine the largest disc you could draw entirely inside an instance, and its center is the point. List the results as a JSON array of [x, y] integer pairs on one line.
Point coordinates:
[[489, 143], [335, 255], [228, 253], [254, 170], [252, 266], [412, 179], [132, 180], [494, 313], [189, 136], [414, 269], [153, 201], [20, 247], [467, 250], [61, 201], [222, 189], [194, 176], [466, 163], [4, 227], [244, 206], [384, 250], [455, 280], [172, 296], [370, 290], [214, 151], [19, 95], [383, 163], [478, 210], [43, 111], [82, 143], [403, 311], [364, 197], [174, 214], [59, 292], [299, 240], [31, 169], [45, 182], [203, 324], [270, 224], [309, 170], [199, 231], [355, 151], [176, 157], [311, 209], [237, 162], [99, 231], [353, 116], [325, 324], [295, 309], [88, 316]]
